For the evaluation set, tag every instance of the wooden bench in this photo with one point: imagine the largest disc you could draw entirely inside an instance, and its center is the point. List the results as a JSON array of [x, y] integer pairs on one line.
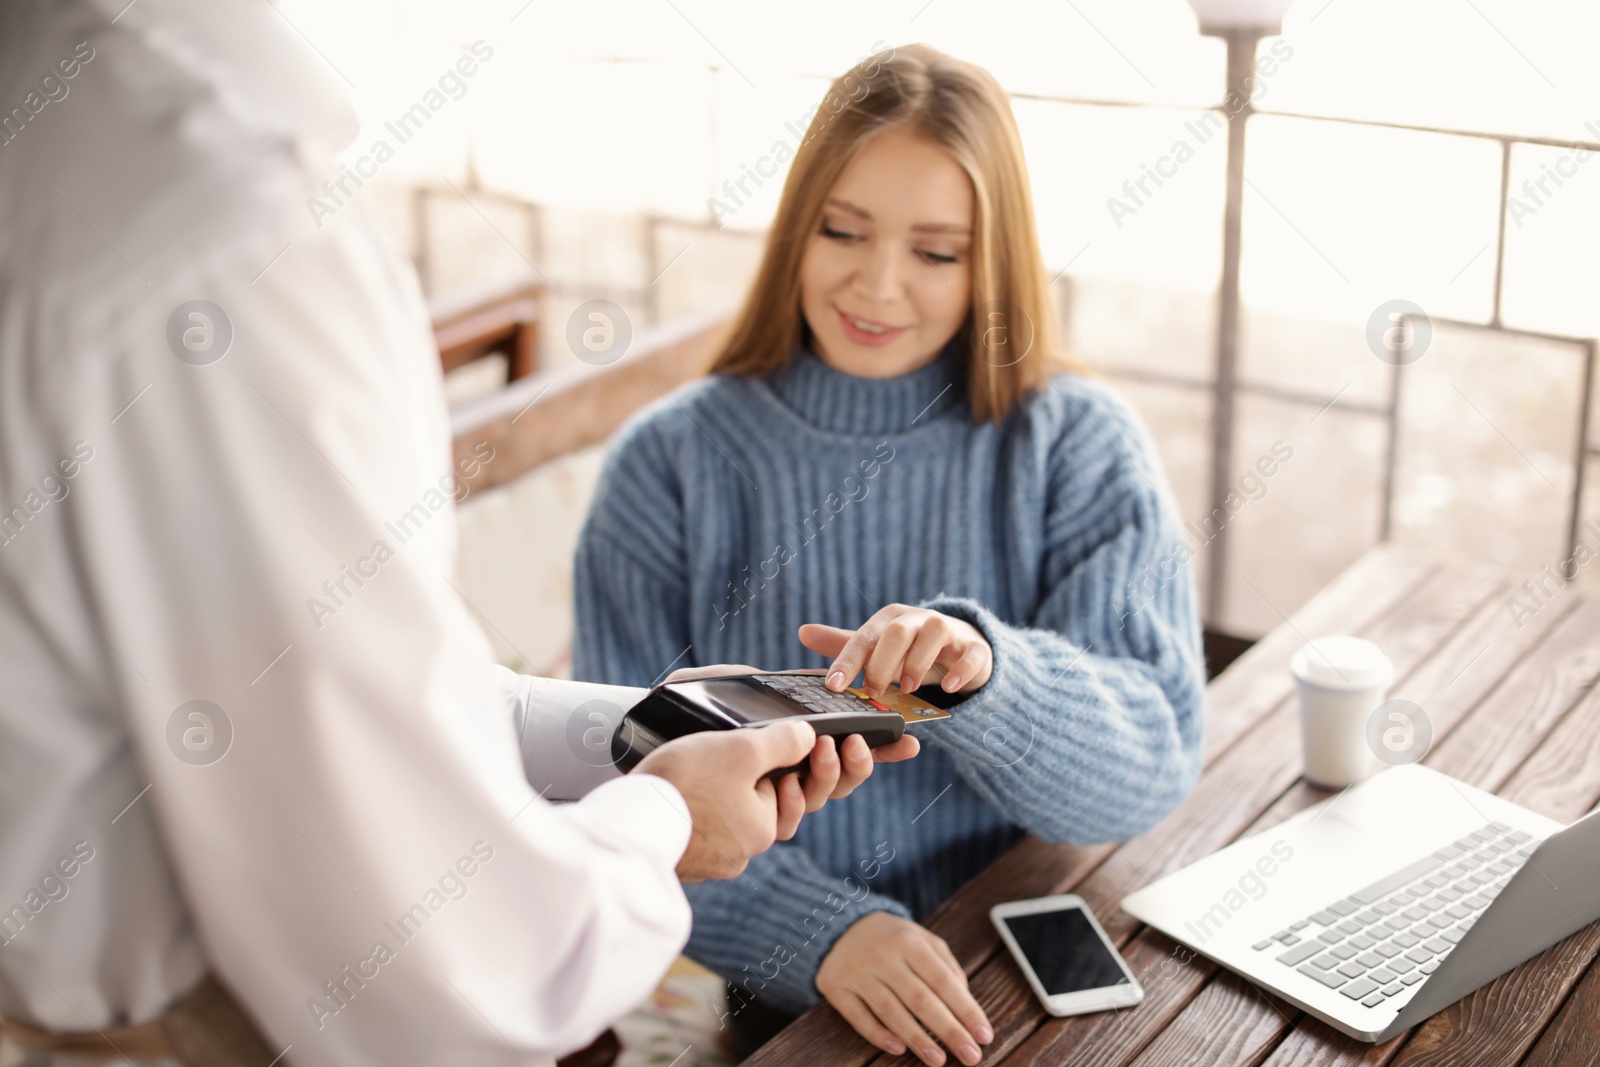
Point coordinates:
[[547, 414], [502, 316]]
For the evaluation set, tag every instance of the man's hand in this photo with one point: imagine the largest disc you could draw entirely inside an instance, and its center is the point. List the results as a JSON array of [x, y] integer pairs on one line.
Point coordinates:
[[737, 812], [895, 981], [904, 644]]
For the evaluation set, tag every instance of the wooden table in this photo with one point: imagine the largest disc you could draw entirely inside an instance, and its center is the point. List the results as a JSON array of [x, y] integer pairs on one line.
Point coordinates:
[[1514, 711]]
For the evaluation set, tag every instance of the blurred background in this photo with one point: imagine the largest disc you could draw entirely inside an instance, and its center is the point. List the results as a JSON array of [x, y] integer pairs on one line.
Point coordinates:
[[1437, 152], [1396, 153]]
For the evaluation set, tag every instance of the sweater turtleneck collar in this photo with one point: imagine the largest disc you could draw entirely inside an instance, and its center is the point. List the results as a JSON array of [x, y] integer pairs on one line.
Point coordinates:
[[837, 402]]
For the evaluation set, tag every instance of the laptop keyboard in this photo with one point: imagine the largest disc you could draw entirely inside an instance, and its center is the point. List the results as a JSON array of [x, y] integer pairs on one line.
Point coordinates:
[[1382, 940]]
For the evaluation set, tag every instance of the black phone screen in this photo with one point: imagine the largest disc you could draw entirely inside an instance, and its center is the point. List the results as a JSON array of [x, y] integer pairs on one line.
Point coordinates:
[[1065, 951]]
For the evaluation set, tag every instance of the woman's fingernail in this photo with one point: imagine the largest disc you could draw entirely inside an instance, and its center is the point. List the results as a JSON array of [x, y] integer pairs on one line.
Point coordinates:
[[934, 1055], [836, 680], [894, 1048], [969, 1053], [905, 684], [952, 682], [984, 1034]]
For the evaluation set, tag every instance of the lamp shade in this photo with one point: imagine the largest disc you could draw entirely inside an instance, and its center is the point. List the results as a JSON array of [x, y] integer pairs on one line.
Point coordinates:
[[1220, 15]]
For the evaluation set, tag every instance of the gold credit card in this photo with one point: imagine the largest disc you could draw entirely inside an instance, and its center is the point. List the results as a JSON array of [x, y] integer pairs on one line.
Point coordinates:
[[912, 708]]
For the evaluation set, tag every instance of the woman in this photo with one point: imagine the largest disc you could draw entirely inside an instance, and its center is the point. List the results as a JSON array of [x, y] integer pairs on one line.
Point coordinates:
[[893, 467]]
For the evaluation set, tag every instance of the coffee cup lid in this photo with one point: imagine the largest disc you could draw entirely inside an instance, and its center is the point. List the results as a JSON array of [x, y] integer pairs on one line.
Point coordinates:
[[1342, 663]]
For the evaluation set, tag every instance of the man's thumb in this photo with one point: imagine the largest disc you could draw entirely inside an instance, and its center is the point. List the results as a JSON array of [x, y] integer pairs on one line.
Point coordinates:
[[783, 744]]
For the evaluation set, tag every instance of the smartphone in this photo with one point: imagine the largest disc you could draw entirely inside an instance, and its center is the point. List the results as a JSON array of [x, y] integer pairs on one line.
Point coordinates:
[[1065, 955]]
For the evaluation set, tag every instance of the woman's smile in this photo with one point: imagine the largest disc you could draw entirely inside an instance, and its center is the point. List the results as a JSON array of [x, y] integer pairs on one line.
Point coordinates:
[[870, 332]]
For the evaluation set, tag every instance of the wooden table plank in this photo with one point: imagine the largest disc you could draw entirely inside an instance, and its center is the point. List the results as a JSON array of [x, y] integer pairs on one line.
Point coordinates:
[[1224, 1026], [1251, 688], [1170, 974], [1574, 1036], [1559, 780], [1527, 706]]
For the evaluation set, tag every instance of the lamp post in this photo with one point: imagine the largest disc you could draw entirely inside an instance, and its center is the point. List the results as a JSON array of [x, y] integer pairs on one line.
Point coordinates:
[[1241, 24]]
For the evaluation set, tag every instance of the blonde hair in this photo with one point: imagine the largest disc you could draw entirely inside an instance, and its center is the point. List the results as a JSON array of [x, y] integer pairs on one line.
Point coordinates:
[[962, 108]]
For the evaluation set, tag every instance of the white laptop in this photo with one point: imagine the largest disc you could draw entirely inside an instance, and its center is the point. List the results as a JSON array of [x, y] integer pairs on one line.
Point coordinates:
[[1386, 903]]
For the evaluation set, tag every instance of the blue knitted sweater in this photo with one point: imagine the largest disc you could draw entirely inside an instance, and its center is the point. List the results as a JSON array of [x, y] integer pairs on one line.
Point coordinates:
[[737, 509]]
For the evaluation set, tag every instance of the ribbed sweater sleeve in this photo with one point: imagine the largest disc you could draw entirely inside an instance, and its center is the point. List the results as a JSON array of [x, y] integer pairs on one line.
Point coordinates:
[[1091, 725]]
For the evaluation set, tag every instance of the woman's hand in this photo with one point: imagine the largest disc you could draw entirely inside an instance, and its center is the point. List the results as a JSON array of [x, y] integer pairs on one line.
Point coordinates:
[[895, 981], [907, 645], [835, 771]]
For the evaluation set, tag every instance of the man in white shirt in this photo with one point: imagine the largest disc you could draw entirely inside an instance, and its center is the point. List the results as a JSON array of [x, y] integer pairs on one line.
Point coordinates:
[[212, 412]]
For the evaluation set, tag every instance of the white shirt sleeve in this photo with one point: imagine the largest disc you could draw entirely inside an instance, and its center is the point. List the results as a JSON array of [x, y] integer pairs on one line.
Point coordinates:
[[565, 730], [367, 865]]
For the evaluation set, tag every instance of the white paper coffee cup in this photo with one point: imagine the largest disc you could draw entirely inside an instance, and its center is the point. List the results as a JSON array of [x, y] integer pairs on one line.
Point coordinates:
[[1341, 681]]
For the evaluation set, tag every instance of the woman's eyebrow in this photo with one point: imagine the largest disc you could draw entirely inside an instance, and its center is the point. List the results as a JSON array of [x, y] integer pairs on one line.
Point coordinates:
[[845, 205], [954, 228]]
